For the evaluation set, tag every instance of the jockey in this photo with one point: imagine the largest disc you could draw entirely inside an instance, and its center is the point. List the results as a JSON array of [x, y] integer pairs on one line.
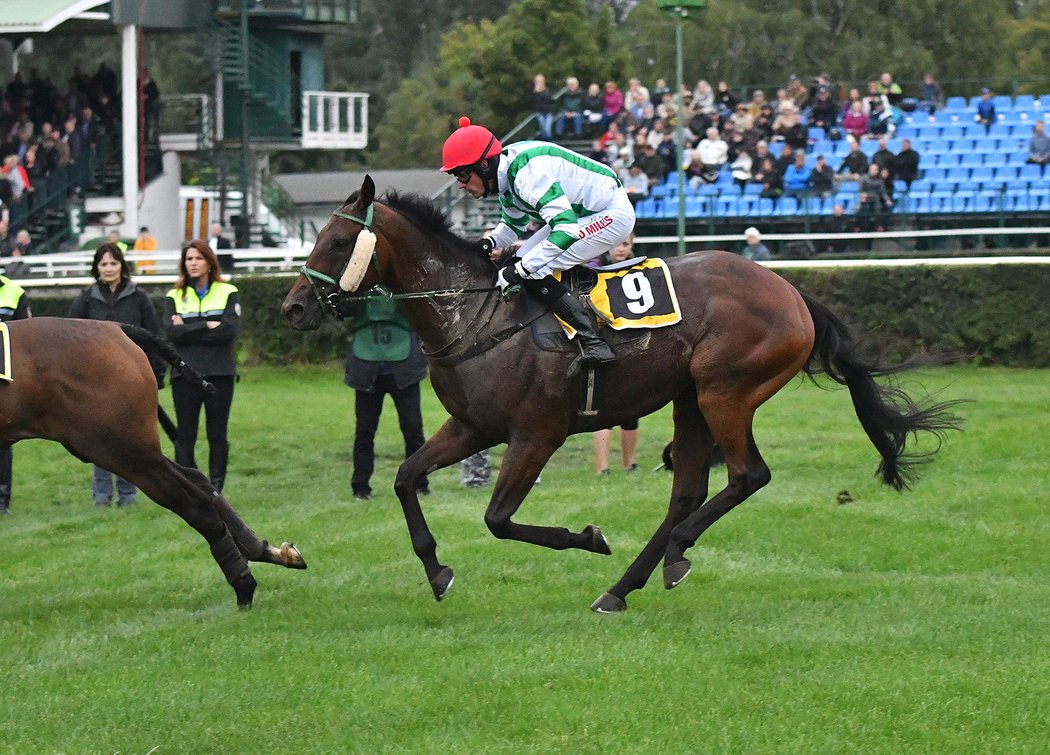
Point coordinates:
[[581, 203]]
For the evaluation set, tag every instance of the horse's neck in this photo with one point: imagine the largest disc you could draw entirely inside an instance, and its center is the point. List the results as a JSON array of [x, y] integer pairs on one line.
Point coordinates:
[[434, 268]]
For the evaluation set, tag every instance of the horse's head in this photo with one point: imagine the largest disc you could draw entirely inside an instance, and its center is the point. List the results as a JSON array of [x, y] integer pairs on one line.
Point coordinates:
[[344, 260]]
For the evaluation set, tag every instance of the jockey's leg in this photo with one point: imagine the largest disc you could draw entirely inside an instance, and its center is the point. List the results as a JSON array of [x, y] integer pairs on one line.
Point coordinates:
[[555, 295]]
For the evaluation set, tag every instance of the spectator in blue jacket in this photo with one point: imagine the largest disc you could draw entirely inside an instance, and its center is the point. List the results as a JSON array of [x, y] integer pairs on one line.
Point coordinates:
[[986, 110], [796, 177]]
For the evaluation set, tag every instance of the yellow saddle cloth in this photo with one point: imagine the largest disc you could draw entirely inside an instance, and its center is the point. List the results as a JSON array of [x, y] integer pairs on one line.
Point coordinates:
[[636, 293]]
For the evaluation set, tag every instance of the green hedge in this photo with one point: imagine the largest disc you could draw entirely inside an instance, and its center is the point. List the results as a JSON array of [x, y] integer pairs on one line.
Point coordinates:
[[991, 313]]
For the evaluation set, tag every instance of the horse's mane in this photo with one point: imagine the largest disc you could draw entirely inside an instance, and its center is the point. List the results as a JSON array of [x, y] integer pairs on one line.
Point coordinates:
[[421, 211]]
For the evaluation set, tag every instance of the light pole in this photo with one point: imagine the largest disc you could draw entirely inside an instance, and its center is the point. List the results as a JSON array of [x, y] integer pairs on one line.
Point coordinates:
[[680, 10]]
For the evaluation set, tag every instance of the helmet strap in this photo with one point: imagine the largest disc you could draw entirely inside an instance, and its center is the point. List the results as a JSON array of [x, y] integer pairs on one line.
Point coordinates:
[[487, 169]]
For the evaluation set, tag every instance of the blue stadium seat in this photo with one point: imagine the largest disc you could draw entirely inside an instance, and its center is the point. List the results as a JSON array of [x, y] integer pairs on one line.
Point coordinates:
[[921, 186], [962, 200], [958, 174], [708, 190], [646, 208], [945, 159], [951, 133], [968, 187], [745, 206], [988, 201], [971, 160], [1030, 173], [726, 206], [955, 104], [752, 189], [695, 207], [1003, 103], [995, 186], [1016, 185], [847, 200], [908, 131], [1017, 202], [937, 146], [935, 175], [941, 201], [981, 174], [1039, 200], [1024, 102], [775, 148], [787, 206], [869, 147], [765, 207]]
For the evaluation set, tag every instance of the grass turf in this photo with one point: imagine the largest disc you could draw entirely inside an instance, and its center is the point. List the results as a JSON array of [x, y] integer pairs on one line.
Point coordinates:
[[912, 623]]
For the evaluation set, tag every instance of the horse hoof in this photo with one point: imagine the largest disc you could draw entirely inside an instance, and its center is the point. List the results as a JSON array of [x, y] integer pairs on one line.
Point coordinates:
[[442, 583], [608, 603], [598, 542], [291, 557], [676, 572], [244, 588]]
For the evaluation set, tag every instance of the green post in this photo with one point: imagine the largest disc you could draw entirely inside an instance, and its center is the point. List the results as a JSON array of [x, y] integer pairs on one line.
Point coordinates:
[[680, 9], [246, 132]]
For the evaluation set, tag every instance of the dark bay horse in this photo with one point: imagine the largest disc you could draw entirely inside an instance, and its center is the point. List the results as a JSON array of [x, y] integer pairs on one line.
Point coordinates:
[[745, 332], [88, 385]]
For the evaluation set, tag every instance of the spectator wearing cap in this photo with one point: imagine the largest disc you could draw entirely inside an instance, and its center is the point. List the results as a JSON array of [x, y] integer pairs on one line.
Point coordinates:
[[796, 91], [986, 110], [754, 249]]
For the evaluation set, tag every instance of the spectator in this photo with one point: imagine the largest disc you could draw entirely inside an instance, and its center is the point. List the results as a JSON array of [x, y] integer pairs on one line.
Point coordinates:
[[787, 158], [855, 164], [788, 127], [881, 119], [822, 179], [796, 177], [763, 124], [704, 98], [202, 317], [986, 110], [1039, 146], [636, 91], [651, 164], [825, 110], [598, 153], [758, 101], [847, 105], [931, 98], [612, 103], [855, 122], [838, 223], [570, 109], [542, 106], [18, 248], [113, 237], [115, 297], [384, 358], [906, 163], [772, 180], [145, 242], [874, 199], [151, 100], [19, 183], [220, 244], [635, 183], [740, 168], [754, 249], [14, 305], [593, 105], [883, 157], [725, 100], [711, 154], [659, 88], [891, 89], [796, 92]]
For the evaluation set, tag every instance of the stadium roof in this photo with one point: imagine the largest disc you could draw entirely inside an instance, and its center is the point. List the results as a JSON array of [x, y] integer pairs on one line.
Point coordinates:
[[41, 16]]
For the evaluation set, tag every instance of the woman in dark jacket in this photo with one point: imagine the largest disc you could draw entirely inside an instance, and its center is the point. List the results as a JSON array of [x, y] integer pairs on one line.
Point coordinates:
[[202, 316], [115, 297]]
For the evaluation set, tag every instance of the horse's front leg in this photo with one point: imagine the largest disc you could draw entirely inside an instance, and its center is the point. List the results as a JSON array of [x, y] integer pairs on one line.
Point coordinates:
[[453, 442], [522, 464]]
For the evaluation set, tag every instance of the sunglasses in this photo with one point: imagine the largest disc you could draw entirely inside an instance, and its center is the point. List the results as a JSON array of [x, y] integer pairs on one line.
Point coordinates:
[[463, 174]]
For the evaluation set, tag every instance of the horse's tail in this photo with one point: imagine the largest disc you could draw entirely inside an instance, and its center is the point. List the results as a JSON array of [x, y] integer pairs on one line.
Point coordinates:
[[886, 412], [154, 346]]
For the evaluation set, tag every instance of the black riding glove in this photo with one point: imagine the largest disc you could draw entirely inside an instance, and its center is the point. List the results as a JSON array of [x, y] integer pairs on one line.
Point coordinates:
[[486, 246], [509, 278]]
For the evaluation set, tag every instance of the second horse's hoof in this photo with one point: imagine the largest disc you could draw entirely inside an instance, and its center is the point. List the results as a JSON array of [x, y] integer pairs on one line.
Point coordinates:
[[676, 572], [608, 603], [291, 557], [244, 587], [442, 583]]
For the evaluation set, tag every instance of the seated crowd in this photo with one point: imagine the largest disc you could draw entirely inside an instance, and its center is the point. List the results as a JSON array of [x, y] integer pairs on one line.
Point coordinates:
[[819, 148]]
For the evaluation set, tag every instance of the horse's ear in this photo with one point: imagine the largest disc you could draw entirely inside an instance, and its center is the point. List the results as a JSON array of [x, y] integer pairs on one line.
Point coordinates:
[[367, 193]]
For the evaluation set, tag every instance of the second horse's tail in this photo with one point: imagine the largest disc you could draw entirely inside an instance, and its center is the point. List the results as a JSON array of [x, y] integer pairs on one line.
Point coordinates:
[[153, 345], [887, 414]]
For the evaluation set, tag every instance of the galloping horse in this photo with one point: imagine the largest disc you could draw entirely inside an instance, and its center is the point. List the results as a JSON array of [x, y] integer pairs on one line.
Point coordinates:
[[88, 385], [745, 332]]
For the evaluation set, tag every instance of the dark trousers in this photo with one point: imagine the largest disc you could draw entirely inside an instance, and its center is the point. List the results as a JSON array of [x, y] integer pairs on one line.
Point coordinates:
[[188, 400], [6, 460], [367, 408]]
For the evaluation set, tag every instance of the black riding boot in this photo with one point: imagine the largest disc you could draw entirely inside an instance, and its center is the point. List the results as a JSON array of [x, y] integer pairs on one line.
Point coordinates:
[[184, 455], [594, 349], [218, 456]]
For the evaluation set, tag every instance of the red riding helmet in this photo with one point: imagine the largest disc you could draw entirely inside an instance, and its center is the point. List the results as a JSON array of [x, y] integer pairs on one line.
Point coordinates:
[[468, 145]]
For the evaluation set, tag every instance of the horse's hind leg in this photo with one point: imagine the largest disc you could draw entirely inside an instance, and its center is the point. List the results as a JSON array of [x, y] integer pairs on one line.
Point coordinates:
[[253, 548], [164, 482], [729, 418], [692, 445]]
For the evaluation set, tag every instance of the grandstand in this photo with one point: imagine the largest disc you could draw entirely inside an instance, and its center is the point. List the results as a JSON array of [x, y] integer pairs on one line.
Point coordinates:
[[966, 170]]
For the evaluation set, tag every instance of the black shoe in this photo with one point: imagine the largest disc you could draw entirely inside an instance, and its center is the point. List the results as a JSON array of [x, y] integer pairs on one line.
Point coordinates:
[[362, 495]]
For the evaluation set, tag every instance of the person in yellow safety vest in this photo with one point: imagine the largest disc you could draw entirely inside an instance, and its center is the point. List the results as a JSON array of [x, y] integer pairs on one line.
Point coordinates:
[[14, 305], [202, 316], [145, 242]]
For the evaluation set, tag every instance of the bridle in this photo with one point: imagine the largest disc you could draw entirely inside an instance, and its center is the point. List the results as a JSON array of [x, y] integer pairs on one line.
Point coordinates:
[[331, 301]]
